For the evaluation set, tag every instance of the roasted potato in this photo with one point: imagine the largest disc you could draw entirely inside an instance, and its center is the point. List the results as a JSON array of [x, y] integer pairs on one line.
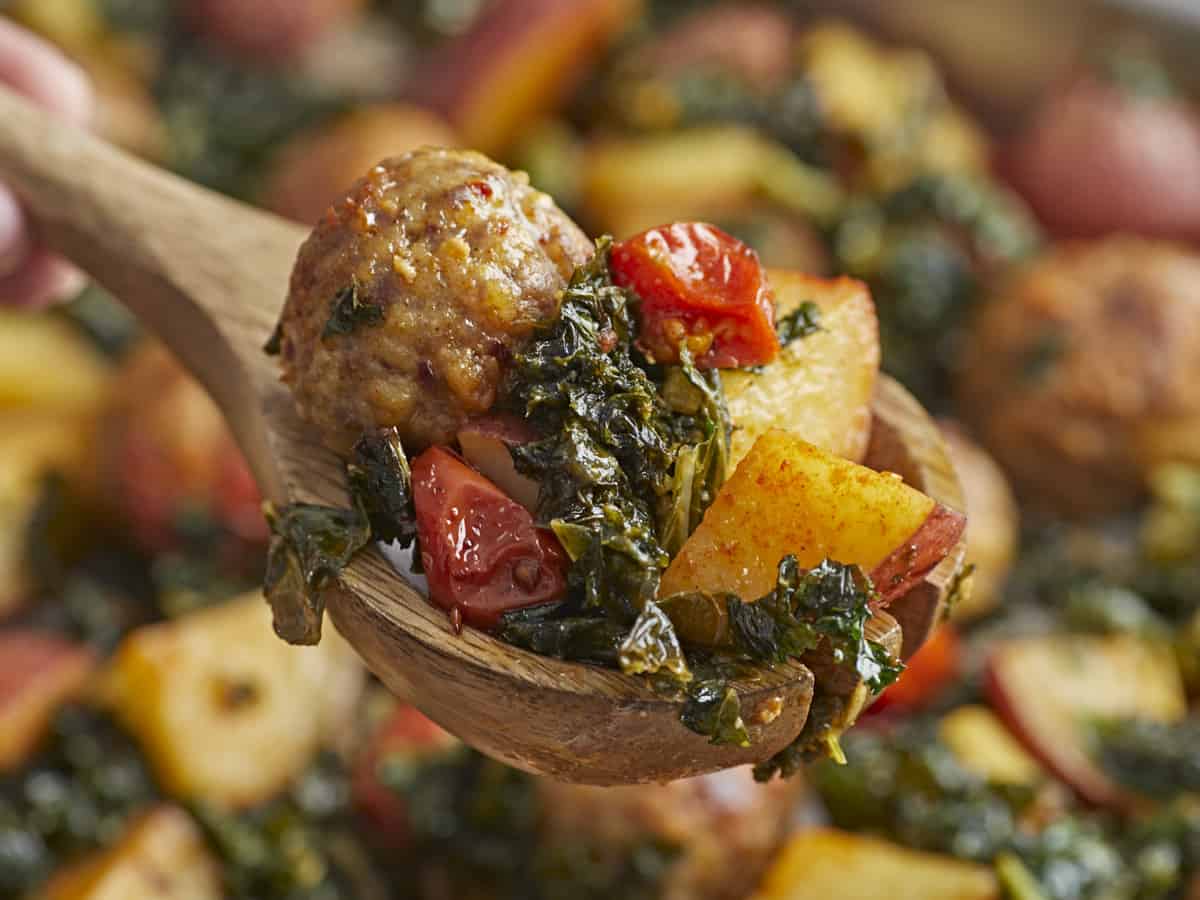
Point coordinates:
[[789, 497], [1077, 372], [796, 391], [224, 710], [163, 856], [994, 522], [823, 863]]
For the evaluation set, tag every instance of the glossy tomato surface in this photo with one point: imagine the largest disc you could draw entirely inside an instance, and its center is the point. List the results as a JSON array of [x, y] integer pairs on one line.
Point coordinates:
[[481, 551], [700, 285]]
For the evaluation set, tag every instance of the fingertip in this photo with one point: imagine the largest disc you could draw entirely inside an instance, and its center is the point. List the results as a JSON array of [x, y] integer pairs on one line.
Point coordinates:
[[41, 72], [42, 280]]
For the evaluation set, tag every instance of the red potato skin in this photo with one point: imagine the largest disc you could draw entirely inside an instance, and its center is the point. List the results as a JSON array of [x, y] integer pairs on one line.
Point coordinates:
[[1096, 160], [406, 733], [515, 63], [39, 672], [270, 31], [909, 563], [935, 666]]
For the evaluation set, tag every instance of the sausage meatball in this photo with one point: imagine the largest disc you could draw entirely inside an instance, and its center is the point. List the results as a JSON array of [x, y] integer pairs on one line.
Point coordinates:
[[1083, 374], [726, 825], [992, 521], [413, 291]]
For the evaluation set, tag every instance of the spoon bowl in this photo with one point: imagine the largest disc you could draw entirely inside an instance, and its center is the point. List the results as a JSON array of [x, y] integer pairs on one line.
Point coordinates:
[[209, 276]]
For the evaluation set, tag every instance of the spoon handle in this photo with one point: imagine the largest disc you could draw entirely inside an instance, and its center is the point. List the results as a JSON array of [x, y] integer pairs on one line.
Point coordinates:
[[206, 273]]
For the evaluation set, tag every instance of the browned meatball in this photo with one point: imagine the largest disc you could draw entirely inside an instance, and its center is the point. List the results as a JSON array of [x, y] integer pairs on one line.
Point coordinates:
[[413, 291], [1084, 373], [726, 825], [992, 521]]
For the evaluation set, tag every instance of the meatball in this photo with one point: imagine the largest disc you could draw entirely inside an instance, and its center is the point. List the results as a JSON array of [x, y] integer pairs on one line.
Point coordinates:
[[414, 290], [1082, 375], [726, 826], [993, 521]]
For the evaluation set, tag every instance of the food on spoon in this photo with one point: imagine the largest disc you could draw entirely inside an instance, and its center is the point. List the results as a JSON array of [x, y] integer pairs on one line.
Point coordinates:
[[926, 673], [1080, 376], [317, 166], [1048, 689], [834, 354], [993, 532], [823, 863], [39, 671], [162, 856], [592, 440], [225, 712], [789, 497], [514, 63], [414, 289]]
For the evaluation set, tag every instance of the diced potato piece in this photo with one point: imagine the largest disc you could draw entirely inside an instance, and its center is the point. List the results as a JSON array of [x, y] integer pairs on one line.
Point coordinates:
[[162, 857], [823, 863], [225, 711], [1045, 688], [45, 364], [789, 497], [981, 744], [820, 387], [32, 445]]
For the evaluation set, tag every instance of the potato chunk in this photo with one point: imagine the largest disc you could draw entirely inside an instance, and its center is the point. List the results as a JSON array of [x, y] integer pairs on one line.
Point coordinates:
[[823, 863], [820, 386], [162, 857], [225, 711], [789, 497]]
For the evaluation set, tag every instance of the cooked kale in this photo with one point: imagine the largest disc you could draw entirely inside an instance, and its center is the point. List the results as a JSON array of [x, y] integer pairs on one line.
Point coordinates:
[[310, 545], [819, 739], [551, 631], [297, 846], [350, 312], [84, 785], [1158, 759], [714, 709], [802, 321], [474, 822], [381, 483], [608, 461], [652, 646]]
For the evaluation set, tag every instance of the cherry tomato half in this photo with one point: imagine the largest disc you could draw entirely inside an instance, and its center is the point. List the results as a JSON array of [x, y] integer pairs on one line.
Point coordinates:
[[698, 284], [482, 553]]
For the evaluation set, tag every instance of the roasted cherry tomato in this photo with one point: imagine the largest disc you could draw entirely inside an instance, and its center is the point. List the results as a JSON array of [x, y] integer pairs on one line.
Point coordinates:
[[482, 553], [931, 669], [404, 738], [700, 285]]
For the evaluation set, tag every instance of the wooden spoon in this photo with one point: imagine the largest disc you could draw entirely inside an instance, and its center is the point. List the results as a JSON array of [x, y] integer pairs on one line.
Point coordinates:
[[209, 275]]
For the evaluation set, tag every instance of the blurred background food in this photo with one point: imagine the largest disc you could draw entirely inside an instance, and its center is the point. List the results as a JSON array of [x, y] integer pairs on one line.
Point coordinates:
[[1017, 182]]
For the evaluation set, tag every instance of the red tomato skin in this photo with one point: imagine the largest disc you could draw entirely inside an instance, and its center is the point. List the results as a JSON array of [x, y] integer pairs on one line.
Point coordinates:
[[481, 551], [930, 669], [700, 284]]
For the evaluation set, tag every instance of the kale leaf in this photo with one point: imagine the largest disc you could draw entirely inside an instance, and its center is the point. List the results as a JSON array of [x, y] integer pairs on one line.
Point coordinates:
[[652, 646], [350, 312], [1158, 759], [802, 321], [310, 545], [714, 709], [381, 483], [550, 631]]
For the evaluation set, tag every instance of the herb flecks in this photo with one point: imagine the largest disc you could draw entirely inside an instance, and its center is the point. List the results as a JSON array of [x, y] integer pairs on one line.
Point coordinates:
[[802, 321], [310, 545], [350, 312]]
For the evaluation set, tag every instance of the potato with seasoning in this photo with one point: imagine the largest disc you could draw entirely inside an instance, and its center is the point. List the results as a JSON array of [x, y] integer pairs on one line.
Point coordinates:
[[413, 291], [1081, 376]]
